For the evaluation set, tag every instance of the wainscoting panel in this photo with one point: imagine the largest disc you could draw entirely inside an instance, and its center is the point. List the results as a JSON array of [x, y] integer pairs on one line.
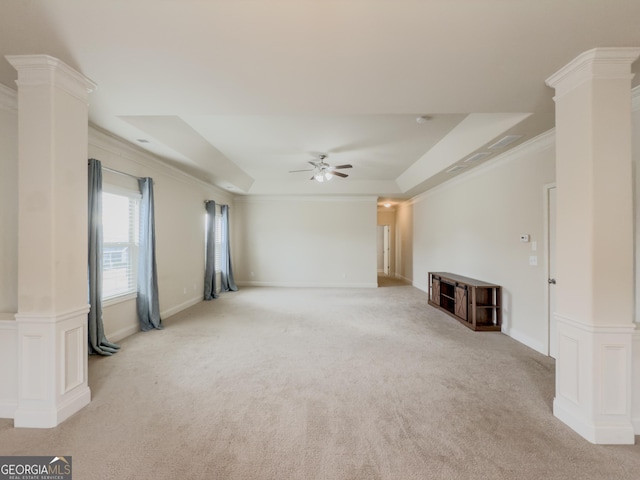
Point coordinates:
[[635, 382], [614, 372], [52, 367], [74, 374], [568, 370], [9, 370], [593, 380]]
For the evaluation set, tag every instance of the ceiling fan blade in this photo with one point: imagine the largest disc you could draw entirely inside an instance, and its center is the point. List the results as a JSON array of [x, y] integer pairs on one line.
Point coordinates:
[[307, 170], [315, 164], [344, 166], [339, 174]]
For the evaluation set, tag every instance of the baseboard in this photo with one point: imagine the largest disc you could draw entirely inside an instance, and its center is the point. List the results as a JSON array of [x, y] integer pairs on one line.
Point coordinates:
[[636, 425], [115, 337], [402, 277], [305, 285], [422, 286], [52, 416], [74, 402], [526, 340], [610, 434], [178, 308]]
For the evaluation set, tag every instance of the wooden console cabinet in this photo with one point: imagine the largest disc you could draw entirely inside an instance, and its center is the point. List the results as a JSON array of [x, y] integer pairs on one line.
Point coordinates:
[[474, 303]]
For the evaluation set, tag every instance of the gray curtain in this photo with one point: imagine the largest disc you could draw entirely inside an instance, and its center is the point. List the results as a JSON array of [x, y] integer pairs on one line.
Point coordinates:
[[98, 343], [147, 303], [227, 281], [210, 254]]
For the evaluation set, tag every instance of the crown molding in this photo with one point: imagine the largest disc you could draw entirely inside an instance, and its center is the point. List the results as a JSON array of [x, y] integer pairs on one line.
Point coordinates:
[[8, 99], [137, 155], [39, 70], [240, 199]]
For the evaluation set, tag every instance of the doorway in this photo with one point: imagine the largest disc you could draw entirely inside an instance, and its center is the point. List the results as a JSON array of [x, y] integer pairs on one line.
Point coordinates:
[[383, 250]]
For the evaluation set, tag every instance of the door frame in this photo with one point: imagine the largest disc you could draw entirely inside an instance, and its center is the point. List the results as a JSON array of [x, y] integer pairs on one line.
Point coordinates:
[[547, 300]]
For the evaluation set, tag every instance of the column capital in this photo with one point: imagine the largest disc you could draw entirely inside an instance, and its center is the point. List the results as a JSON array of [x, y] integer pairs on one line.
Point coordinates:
[[38, 70], [598, 63]]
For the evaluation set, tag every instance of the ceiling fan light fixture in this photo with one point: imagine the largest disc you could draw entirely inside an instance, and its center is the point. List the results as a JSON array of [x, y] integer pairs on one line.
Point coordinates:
[[322, 171], [322, 174]]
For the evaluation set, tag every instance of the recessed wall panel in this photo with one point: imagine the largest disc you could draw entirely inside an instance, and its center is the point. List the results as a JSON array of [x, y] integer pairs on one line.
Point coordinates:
[[614, 380], [73, 352], [33, 369], [568, 368]]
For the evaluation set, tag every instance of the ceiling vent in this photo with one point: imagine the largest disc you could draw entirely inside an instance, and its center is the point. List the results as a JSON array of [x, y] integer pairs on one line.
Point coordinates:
[[455, 168], [504, 141], [477, 156]]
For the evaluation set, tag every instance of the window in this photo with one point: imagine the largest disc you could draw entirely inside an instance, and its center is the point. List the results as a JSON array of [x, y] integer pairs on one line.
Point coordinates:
[[217, 245], [217, 237], [120, 220]]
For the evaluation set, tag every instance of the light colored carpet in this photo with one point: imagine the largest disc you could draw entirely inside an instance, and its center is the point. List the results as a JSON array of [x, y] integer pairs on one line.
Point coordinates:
[[276, 383]]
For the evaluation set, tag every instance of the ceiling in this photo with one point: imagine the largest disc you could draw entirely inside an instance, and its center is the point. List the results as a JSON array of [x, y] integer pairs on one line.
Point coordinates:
[[240, 92]]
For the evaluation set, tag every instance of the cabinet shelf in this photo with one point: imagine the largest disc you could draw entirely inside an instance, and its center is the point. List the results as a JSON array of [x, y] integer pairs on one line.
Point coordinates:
[[474, 303]]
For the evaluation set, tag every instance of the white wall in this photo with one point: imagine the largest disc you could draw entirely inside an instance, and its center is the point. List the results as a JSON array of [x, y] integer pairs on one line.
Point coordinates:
[[305, 241], [471, 226], [180, 213], [179, 222], [9, 366], [404, 241]]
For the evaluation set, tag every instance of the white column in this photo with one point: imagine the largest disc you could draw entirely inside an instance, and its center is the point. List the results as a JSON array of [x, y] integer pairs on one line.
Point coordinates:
[[52, 231], [594, 239]]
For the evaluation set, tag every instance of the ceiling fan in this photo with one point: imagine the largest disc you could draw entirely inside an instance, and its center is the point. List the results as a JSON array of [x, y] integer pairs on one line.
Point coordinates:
[[322, 171]]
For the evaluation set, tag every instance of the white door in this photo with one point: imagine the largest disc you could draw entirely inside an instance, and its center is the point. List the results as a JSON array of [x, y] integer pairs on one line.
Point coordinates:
[[551, 229], [383, 249], [385, 260], [380, 249]]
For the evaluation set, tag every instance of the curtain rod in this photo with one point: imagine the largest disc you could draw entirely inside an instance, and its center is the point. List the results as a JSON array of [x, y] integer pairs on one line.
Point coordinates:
[[120, 173], [217, 203]]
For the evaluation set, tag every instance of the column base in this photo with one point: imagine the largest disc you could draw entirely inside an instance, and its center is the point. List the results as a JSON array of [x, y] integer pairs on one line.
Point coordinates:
[[594, 381], [601, 434], [26, 417], [52, 367]]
